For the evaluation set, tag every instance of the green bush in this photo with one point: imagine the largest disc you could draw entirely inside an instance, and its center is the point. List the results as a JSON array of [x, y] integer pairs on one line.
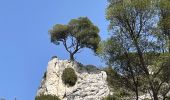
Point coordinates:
[[53, 57], [69, 77], [111, 97], [46, 97], [91, 68], [88, 68]]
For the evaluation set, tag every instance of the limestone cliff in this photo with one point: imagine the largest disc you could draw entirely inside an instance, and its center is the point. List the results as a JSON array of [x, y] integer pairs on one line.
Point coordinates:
[[90, 85]]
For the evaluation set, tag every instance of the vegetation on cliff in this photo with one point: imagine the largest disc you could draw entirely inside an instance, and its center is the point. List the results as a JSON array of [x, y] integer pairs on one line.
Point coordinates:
[[78, 34], [46, 97], [69, 77], [138, 50]]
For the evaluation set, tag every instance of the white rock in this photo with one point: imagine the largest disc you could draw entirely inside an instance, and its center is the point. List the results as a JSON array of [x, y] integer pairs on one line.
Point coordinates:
[[89, 86]]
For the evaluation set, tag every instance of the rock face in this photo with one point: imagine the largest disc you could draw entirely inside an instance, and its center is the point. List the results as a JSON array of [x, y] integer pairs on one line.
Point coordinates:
[[89, 86]]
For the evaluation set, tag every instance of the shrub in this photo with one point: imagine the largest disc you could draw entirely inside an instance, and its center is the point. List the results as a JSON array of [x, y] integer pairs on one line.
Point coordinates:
[[91, 68], [53, 57], [46, 97], [69, 77], [111, 76], [111, 97], [88, 68]]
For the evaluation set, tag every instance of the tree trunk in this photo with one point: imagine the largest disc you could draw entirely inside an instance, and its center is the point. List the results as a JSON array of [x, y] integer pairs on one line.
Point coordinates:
[[164, 98], [155, 96], [71, 57], [137, 95], [169, 43]]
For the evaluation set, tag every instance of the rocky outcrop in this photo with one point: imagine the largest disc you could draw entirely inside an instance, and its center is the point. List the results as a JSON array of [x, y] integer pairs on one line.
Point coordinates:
[[90, 85]]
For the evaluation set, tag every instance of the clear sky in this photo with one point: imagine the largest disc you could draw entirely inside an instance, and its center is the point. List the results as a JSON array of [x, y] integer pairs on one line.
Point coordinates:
[[25, 47]]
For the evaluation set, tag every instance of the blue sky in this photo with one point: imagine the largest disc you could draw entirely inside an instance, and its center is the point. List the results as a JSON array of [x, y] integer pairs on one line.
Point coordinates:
[[25, 47]]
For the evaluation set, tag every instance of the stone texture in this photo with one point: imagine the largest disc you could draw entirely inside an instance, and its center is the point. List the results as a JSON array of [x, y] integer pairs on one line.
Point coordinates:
[[89, 86]]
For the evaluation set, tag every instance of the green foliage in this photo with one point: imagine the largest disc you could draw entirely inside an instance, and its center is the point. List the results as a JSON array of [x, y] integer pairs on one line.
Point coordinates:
[[62, 29], [88, 68], [116, 82], [111, 97], [69, 77], [46, 97], [111, 74], [109, 50], [85, 32], [164, 4], [164, 20], [116, 96], [138, 56], [91, 68], [78, 34], [126, 10]]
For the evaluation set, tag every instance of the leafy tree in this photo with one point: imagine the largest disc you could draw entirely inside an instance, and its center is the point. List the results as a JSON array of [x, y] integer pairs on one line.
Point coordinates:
[[164, 10], [78, 34], [136, 49], [126, 72], [162, 77], [116, 82], [127, 20]]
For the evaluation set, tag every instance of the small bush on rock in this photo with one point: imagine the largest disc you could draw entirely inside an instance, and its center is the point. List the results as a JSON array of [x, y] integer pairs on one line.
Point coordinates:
[[91, 68], [111, 97], [53, 57], [69, 77], [88, 68], [46, 97]]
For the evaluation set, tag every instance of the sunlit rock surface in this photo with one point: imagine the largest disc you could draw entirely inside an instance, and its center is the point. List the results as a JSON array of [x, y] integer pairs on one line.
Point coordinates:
[[91, 85]]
